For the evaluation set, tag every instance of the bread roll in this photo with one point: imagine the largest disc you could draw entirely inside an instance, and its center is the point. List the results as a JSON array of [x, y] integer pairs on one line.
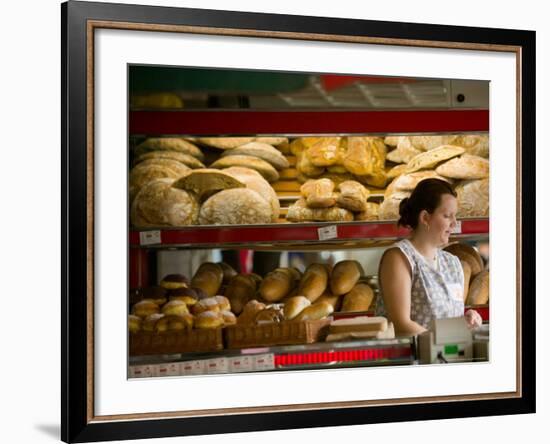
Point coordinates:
[[254, 181], [344, 276], [466, 166], [156, 293], [276, 285], [208, 304], [201, 294], [159, 204], [269, 314], [430, 159], [209, 319], [238, 206], [319, 193], [208, 277], [174, 323], [294, 305], [240, 290], [148, 323], [467, 270], [353, 196], [176, 144], [249, 312], [359, 298], [184, 294], [262, 151], [314, 282], [261, 166], [299, 212], [479, 289], [228, 317], [223, 303], [371, 213], [134, 323], [175, 308], [318, 310], [225, 143], [206, 182], [145, 308], [185, 159], [172, 281]]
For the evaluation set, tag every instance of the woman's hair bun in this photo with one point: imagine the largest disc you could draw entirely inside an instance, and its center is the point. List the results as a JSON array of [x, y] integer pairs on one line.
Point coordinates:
[[404, 212]]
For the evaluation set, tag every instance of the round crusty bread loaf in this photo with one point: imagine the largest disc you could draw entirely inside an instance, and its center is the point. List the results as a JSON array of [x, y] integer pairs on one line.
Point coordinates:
[[152, 169], [159, 204], [169, 144], [255, 181], [236, 206], [389, 208], [408, 182], [261, 166], [262, 151], [186, 159], [468, 254], [207, 181]]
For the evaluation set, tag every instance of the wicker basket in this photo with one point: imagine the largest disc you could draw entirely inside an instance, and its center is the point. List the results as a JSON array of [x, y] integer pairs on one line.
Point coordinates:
[[276, 333], [200, 340]]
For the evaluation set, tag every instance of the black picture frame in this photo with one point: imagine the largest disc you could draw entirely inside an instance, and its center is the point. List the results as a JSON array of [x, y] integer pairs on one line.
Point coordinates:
[[77, 422]]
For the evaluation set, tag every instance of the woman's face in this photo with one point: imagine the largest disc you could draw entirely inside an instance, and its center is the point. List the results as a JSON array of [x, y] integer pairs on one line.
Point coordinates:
[[443, 220]]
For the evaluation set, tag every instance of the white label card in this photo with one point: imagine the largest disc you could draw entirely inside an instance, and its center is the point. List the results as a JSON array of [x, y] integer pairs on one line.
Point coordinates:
[[458, 227], [329, 232], [149, 237]]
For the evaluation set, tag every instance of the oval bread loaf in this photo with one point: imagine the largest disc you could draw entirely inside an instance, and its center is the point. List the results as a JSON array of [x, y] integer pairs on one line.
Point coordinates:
[[359, 298], [294, 305], [467, 270], [209, 277], [314, 282], [276, 285], [240, 290], [479, 289], [344, 276], [318, 310]]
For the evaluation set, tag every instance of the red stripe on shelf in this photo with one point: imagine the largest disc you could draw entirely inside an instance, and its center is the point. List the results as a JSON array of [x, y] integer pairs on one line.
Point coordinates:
[[291, 232], [239, 122]]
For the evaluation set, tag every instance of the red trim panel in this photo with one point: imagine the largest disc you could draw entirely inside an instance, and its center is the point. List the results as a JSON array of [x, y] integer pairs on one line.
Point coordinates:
[[371, 354], [233, 122], [290, 232]]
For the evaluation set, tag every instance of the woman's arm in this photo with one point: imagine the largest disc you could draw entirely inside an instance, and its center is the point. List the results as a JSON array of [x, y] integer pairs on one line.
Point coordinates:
[[396, 281]]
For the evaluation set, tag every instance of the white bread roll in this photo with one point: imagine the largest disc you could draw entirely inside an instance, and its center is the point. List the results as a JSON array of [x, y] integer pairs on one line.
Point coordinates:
[[294, 305]]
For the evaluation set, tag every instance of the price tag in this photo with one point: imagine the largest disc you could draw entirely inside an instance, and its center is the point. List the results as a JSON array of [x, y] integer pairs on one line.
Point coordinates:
[[149, 371], [329, 232], [241, 364], [458, 227], [218, 365], [136, 371], [192, 368], [264, 362], [170, 369], [149, 237]]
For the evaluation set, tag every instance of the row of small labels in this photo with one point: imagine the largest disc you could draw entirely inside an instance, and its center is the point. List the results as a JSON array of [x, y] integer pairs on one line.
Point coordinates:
[[205, 366]]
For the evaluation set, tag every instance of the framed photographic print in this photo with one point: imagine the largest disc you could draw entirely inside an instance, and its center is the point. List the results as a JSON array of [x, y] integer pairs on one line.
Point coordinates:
[[231, 185]]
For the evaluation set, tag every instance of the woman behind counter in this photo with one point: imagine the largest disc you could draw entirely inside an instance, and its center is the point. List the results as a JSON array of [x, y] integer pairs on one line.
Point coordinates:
[[418, 280]]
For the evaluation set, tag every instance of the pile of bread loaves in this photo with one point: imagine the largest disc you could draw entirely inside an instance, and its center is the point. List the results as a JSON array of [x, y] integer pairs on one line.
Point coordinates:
[[341, 159], [459, 160], [476, 276], [322, 200], [170, 185], [218, 296]]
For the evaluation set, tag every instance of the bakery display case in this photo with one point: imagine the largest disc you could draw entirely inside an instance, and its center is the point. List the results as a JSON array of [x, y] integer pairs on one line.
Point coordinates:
[[231, 198]]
